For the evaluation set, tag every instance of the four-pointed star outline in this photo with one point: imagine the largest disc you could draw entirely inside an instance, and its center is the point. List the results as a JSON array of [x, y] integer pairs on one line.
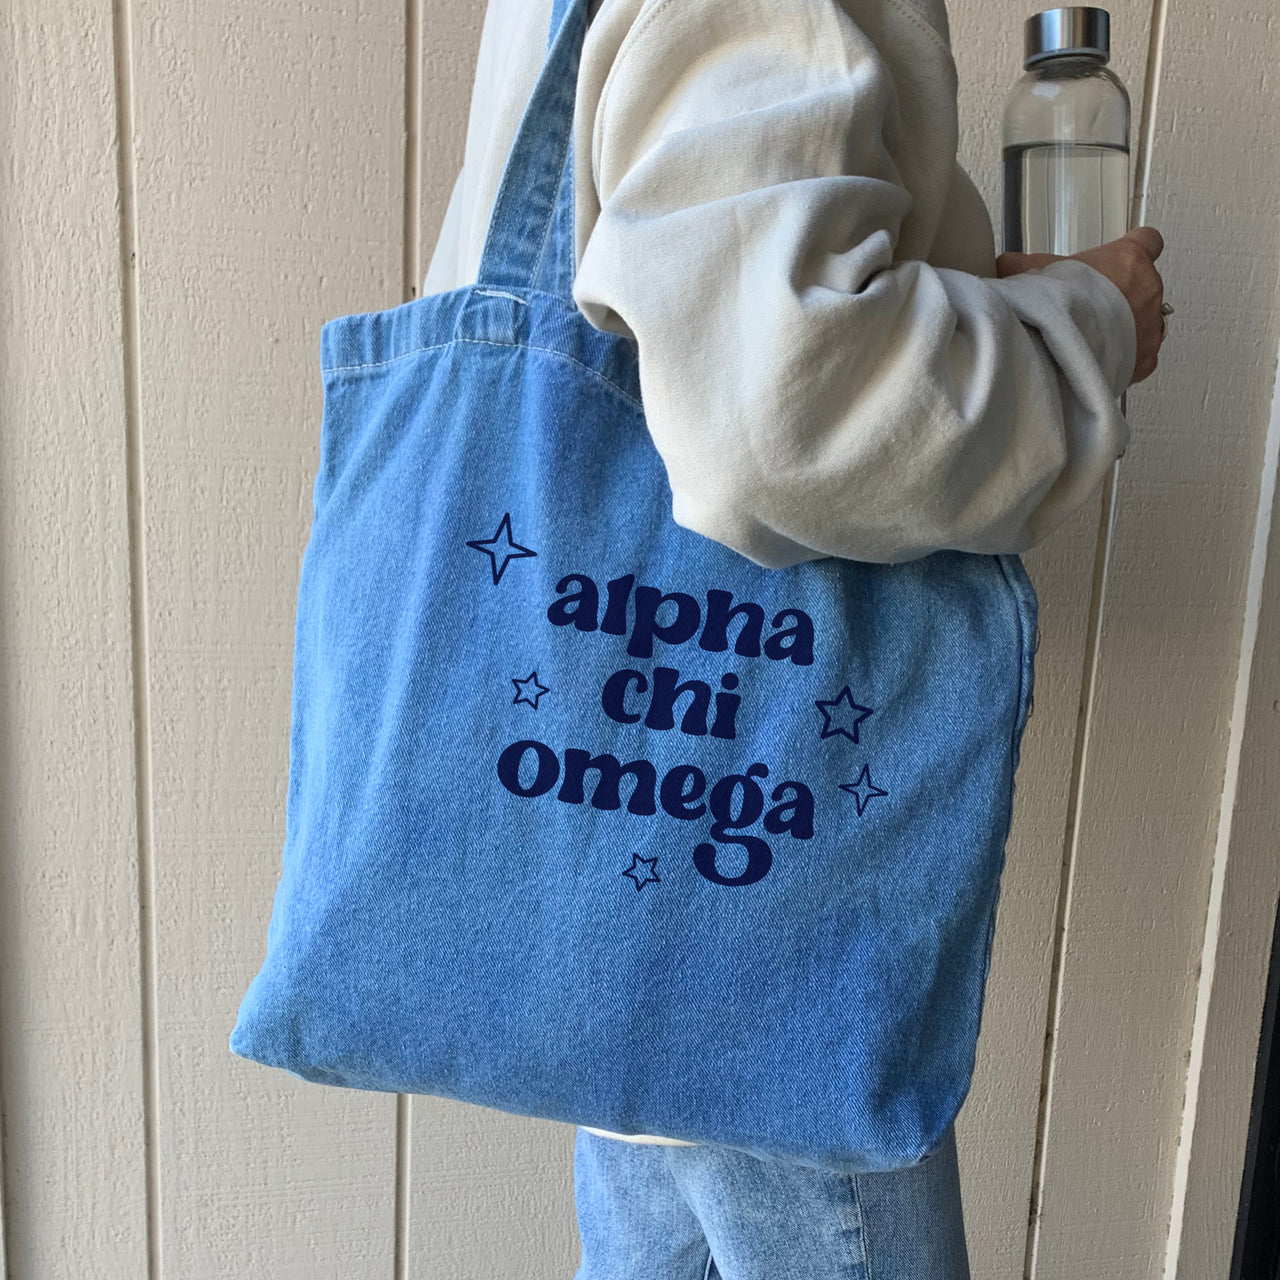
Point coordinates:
[[501, 549], [842, 708], [864, 790], [650, 873], [525, 694]]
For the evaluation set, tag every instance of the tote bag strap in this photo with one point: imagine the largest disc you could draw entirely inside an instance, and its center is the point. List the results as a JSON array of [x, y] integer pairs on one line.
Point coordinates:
[[529, 243]]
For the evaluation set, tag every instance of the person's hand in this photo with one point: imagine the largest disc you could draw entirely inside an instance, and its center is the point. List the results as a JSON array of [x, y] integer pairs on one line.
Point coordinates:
[[1130, 264]]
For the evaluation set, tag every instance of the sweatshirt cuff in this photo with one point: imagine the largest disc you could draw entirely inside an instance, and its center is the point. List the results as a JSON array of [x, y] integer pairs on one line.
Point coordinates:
[[1115, 339]]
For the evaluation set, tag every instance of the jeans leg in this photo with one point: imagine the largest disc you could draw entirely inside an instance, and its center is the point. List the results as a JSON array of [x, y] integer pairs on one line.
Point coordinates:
[[633, 1221], [914, 1220], [769, 1220]]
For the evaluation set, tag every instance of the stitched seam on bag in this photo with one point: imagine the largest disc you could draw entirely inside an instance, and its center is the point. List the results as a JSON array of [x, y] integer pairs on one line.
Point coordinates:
[[380, 364], [551, 214], [502, 293], [563, 355], [485, 342]]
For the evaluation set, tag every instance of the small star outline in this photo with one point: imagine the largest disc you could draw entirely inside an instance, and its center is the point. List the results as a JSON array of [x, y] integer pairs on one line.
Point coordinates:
[[650, 875], [522, 690], [864, 790], [832, 707], [501, 549]]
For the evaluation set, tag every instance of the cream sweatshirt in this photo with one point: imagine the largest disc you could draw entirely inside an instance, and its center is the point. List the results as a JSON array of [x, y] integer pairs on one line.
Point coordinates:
[[767, 201]]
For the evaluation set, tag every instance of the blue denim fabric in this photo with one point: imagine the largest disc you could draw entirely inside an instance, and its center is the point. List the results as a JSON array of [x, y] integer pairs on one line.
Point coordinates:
[[590, 817], [711, 1213]]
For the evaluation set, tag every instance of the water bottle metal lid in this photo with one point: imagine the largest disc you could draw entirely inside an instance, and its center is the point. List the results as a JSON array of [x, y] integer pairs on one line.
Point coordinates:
[[1079, 28]]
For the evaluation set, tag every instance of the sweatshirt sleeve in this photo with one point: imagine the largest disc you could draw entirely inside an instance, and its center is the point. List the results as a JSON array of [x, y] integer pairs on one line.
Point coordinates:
[[810, 395]]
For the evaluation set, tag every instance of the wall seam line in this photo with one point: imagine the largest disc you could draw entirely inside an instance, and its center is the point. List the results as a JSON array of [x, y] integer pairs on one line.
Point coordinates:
[[412, 234], [1088, 685], [411, 260], [122, 31], [1066, 885]]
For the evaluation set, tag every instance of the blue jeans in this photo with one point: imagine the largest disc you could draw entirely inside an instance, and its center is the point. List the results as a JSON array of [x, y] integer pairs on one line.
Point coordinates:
[[655, 1212]]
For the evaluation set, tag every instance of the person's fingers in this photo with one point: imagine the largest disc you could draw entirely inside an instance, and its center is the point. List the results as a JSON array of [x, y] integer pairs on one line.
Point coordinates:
[[1012, 262], [1130, 264], [1149, 239]]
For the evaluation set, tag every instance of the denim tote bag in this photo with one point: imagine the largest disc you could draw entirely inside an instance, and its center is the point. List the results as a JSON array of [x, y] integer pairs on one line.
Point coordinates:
[[592, 818]]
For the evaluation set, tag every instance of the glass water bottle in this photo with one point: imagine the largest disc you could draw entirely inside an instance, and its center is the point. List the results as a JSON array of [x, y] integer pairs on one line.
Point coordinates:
[[1066, 137]]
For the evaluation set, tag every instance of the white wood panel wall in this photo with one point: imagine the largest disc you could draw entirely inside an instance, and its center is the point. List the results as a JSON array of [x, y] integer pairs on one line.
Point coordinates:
[[188, 190], [72, 1130]]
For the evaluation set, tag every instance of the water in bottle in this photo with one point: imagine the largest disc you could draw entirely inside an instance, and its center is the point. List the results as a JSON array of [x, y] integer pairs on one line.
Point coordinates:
[[1066, 137]]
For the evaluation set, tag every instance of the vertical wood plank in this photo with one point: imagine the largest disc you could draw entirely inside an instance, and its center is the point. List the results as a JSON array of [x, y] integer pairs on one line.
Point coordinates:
[[270, 161], [997, 1128], [1167, 663], [70, 1044], [1234, 976], [492, 1195]]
